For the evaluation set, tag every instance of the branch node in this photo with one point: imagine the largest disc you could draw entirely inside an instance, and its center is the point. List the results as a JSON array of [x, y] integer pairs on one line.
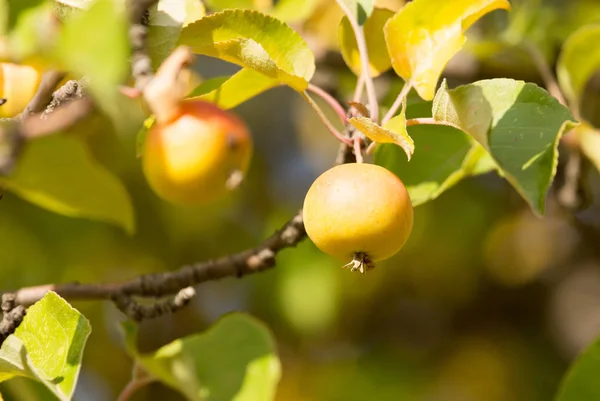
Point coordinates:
[[139, 312], [11, 320]]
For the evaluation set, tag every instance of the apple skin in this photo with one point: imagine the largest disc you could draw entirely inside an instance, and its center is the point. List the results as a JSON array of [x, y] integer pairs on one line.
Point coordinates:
[[198, 156], [358, 210], [18, 84]]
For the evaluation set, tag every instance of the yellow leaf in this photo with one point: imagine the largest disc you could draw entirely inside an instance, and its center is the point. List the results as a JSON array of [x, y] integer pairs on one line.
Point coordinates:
[[394, 131], [424, 35], [379, 60]]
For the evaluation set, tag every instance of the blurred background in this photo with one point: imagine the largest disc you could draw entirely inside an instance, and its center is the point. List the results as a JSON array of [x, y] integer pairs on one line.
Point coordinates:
[[485, 303]]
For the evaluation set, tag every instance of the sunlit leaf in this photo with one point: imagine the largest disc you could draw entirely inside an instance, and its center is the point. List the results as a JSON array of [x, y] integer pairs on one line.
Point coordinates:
[[47, 346], [167, 18], [228, 92], [379, 60], [235, 359], [59, 174], [424, 35], [581, 381], [256, 41], [29, 30], [102, 58], [444, 156], [358, 10], [578, 61], [394, 131], [518, 123]]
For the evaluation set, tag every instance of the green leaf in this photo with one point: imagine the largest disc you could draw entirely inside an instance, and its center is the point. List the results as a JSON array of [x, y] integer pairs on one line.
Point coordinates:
[[518, 123], [424, 35], [358, 10], [256, 41], [235, 359], [581, 381], [229, 92], [444, 156], [394, 131], [578, 61], [379, 60], [167, 19], [47, 346], [59, 174], [29, 29], [103, 58]]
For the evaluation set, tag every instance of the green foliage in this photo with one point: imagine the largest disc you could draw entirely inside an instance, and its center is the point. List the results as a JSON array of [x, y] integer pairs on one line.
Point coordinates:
[[580, 383], [231, 91], [167, 19], [444, 156], [28, 29], [92, 191], [379, 60], [103, 59], [234, 359], [505, 125], [254, 41], [578, 61], [357, 10], [518, 123], [424, 35], [47, 346]]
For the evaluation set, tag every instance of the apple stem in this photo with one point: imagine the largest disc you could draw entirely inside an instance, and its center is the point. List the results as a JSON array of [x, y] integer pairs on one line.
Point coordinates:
[[397, 103], [358, 149], [331, 101], [361, 43], [371, 148], [358, 92], [340, 137]]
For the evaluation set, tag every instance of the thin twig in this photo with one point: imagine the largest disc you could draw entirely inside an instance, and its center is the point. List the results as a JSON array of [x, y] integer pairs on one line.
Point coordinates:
[[134, 385], [141, 63], [364, 60], [358, 149], [430, 121], [43, 95], [545, 71], [326, 121], [360, 87], [168, 283], [397, 103], [330, 100]]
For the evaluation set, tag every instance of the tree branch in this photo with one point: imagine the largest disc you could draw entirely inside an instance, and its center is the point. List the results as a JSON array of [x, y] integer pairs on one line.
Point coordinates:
[[141, 64], [130, 307], [163, 284], [43, 95]]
